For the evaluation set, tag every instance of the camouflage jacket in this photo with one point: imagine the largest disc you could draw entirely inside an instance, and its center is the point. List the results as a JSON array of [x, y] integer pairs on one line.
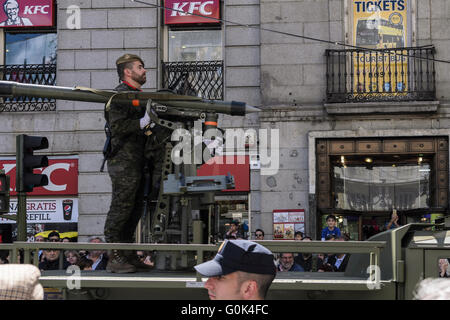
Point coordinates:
[[127, 138]]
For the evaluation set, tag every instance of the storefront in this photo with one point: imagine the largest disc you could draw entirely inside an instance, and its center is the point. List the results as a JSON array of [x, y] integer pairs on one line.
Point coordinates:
[[362, 181], [232, 204]]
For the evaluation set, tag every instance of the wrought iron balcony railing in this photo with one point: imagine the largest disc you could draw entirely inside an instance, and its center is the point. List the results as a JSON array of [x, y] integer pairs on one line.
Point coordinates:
[[400, 74], [196, 78], [28, 73]]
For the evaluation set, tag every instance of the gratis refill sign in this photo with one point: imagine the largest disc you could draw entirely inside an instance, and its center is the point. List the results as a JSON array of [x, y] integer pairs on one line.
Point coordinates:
[[26, 13]]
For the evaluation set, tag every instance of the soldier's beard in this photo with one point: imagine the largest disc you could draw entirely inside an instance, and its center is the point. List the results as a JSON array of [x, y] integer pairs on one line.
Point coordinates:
[[139, 79]]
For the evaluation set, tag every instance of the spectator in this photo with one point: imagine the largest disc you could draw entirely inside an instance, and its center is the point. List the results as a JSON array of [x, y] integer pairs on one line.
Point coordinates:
[[54, 237], [145, 258], [85, 264], [298, 235], [233, 232], [331, 228], [259, 234], [393, 223], [4, 258], [51, 260], [308, 261], [66, 239], [443, 268], [72, 257], [98, 257], [241, 270], [83, 253], [337, 262], [287, 263]]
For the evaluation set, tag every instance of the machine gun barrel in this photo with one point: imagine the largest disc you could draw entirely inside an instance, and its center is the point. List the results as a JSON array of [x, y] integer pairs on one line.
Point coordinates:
[[15, 89]]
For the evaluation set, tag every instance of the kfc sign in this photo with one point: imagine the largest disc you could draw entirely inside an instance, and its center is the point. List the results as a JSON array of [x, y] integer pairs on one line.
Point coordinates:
[[26, 13], [62, 177], [182, 12]]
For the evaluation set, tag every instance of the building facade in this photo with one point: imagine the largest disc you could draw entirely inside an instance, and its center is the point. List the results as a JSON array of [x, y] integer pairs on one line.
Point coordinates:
[[335, 107]]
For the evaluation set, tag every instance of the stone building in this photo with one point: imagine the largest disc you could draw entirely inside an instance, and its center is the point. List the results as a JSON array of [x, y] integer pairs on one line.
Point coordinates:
[[334, 107]]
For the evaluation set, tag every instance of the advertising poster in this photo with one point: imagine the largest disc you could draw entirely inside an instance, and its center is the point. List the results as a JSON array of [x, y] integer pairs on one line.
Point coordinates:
[[39, 210], [26, 13], [287, 222], [380, 25]]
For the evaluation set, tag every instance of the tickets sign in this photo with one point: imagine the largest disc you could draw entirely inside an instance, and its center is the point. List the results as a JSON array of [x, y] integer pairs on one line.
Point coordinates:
[[380, 25], [26, 13], [183, 12]]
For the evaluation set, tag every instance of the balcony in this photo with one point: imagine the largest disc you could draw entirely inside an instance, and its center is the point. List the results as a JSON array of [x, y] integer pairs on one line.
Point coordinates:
[[195, 78], [44, 74], [382, 75]]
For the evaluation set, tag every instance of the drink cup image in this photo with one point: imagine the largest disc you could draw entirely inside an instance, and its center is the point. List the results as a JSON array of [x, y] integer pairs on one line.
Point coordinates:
[[67, 209]]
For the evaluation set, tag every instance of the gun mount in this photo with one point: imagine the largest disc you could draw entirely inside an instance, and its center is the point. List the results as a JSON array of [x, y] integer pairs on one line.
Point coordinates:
[[169, 216]]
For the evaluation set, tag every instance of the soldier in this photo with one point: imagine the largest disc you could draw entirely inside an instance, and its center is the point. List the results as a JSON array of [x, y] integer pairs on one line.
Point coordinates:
[[241, 270], [126, 164]]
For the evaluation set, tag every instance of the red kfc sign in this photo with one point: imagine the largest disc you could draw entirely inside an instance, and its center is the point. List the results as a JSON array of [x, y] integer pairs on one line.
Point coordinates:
[[26, 13], [182, 12], [62, 177]]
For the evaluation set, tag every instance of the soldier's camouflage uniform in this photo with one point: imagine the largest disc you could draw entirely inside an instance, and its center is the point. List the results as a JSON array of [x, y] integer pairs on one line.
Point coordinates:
[[125, 169]]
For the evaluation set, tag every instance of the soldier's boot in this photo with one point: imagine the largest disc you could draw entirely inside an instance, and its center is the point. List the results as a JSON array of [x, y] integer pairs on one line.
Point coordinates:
[[118, 263], [134, 260]]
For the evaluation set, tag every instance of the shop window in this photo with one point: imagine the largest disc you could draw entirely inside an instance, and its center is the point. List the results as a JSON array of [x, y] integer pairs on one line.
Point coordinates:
[[195, 65], [30, 58], [195, 45], [30, 48], [367, 188]]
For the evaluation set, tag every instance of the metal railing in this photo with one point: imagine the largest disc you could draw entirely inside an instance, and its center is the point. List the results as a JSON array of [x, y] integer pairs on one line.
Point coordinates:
[[195, 78], [397, 74], [31, 251], [44, 74]]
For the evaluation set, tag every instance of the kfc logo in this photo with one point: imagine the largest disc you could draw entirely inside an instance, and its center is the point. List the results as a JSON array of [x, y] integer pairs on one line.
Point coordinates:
[[36, 9], [26, 13], [182, 12], [193, 6], [62, 177]]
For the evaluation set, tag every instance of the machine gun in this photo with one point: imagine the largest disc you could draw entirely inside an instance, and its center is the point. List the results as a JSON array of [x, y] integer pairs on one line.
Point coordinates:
[[173, 213]]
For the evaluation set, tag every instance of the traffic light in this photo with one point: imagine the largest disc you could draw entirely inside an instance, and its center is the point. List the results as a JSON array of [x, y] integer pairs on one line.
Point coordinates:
[[4, 193], [26, 180]]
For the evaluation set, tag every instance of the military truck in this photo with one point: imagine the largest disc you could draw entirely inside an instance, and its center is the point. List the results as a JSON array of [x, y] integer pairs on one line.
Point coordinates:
[[387, 266]]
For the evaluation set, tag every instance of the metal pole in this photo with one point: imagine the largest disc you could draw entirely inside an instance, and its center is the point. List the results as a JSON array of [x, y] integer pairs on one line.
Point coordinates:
[[22, 216]]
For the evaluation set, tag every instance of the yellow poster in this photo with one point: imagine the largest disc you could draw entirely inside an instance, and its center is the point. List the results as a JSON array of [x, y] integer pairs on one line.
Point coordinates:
[[380, 25]]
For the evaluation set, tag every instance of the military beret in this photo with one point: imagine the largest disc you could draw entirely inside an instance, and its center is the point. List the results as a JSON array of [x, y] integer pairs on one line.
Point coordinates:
[[128, 57]]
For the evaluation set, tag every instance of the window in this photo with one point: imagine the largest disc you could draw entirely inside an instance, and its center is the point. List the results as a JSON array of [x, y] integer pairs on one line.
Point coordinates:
[[367, 188], [30, 48], [195, 45]]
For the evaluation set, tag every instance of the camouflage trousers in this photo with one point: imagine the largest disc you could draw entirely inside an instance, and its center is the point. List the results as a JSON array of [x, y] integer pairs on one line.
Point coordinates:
[[126, 203]]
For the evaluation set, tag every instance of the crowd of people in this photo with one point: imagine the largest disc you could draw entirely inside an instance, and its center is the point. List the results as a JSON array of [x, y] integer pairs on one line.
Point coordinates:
[[51, 259], [309, 262]]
